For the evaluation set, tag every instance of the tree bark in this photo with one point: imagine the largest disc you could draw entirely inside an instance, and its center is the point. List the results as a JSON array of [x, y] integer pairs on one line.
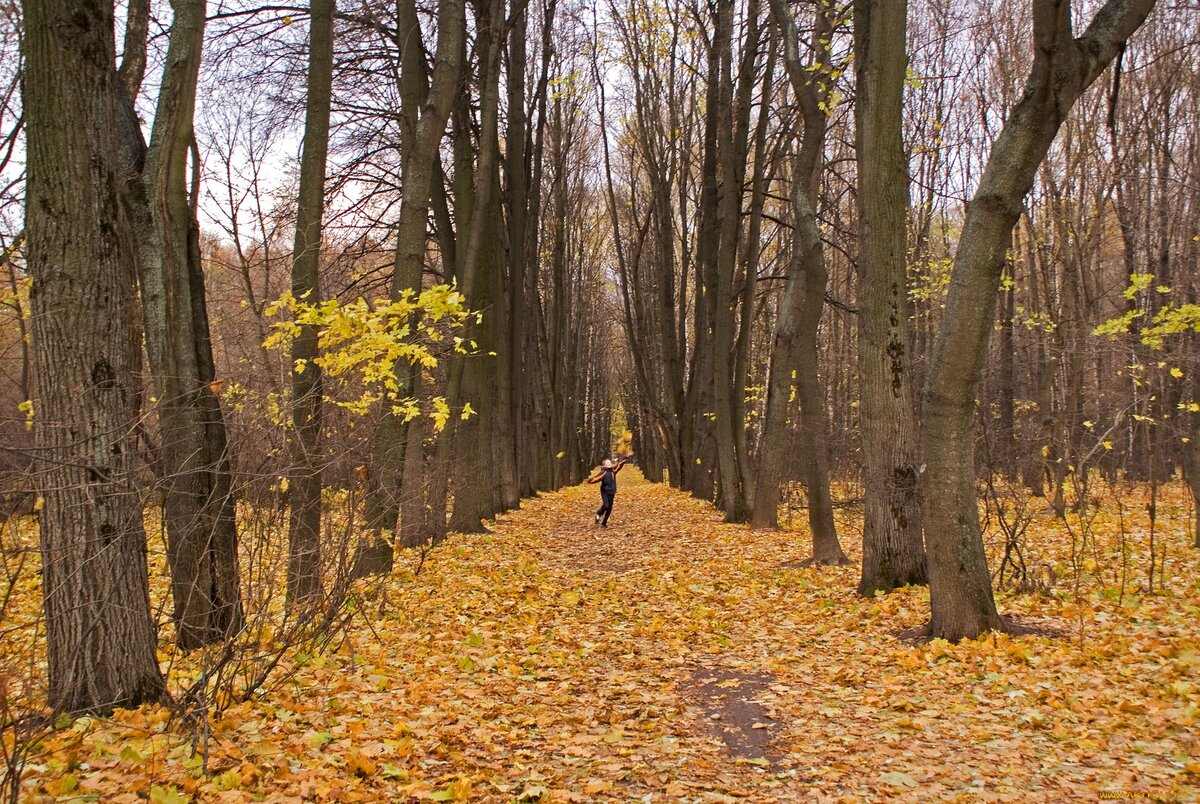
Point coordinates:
[[800, 311], [516, 455], [199, 510], [960, 590], [476, 213], [1191, 454], [304, 521], [425, 108], [100, 638], [1006, 439], [732, 114], [893, 551], [701, 451]]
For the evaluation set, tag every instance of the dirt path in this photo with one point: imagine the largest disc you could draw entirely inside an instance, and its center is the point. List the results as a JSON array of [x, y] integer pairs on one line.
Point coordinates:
[[713, 667], [648, 610], [672, 657]]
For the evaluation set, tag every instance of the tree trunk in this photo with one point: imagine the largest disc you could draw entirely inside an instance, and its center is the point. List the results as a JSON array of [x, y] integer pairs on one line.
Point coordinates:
[[475, 213], [732, 147], [701, 450], [893, 551], [199, 510], [1006, 439], [304, 522], [960, 590], [100, 638], [516, 453], [1191, 472], [425, 108], [812, 279], [753, 241], [796, 328], [539, 422], [477, 478]]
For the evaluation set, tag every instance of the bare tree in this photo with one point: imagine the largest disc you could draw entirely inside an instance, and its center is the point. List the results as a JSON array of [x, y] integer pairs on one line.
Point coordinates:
[[304, 523], [100, 638], [893, 553], [1063, 67], [795, 352]]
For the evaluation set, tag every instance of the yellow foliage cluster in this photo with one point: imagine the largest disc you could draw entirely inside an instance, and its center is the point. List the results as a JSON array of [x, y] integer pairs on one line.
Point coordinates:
[[367, 340]]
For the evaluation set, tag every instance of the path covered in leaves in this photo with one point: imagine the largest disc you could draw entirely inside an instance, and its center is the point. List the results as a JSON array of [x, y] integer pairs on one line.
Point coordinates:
[[671, 657]]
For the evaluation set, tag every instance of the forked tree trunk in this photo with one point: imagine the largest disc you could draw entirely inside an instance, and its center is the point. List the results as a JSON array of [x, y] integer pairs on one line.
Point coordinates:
[[732, 142], [425, 107], [477, 217], [100, 639], [304, 522], [199, 508], [811, 278], [796, 328], [893, 552], [960, 589]]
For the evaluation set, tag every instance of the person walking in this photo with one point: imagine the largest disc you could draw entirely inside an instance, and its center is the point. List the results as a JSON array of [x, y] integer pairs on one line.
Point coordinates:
[[607, 478]]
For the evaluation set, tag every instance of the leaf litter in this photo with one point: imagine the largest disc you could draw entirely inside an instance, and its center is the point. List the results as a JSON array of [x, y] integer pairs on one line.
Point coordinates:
[[672, 657]]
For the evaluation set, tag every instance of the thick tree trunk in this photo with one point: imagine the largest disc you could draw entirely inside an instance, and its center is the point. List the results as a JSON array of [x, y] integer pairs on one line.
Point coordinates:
[[893, 551], [100, 640], [199, 510], [796, 328], [476, 477], [477, 214], [425, 108], [960, 590], [732, 146], [304, 523], [516, 453]]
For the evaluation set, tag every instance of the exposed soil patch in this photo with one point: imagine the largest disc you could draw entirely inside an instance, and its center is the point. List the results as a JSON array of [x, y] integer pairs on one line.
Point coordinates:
[[732, 707]]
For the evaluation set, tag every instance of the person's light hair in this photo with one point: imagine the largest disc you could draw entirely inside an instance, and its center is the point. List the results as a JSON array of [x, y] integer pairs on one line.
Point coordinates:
[[608, 462]]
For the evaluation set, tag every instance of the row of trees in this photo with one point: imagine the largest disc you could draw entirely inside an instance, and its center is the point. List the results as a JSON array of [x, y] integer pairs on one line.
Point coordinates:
[[557, 216], [743, 190], [517, 403]]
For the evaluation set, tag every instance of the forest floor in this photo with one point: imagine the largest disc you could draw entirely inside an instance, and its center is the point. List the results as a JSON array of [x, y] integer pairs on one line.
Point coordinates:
[[671, 657]]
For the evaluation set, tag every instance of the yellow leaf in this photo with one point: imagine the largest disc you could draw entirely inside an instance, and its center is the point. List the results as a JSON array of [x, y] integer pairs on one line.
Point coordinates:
[[360, 764], [229, 780]]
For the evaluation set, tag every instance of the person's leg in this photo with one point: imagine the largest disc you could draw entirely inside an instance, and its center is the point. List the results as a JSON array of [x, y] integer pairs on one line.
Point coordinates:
[[608, 506]]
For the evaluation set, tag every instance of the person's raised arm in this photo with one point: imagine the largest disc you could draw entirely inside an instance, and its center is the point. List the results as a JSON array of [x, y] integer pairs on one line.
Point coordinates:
[[622, 462], [596, 477]]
